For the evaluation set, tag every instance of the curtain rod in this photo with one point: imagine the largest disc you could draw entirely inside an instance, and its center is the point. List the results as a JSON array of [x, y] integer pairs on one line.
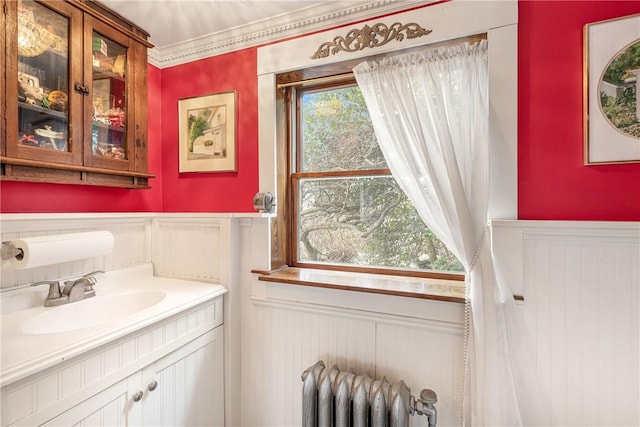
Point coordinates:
[[344, 76], [335, 77]]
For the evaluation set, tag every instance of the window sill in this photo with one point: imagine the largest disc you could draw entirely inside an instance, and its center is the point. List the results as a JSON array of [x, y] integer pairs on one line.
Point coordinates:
[[412, 287]]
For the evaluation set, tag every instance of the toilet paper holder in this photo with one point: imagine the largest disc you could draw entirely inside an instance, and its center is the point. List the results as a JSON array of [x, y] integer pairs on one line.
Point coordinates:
[[9, 251]]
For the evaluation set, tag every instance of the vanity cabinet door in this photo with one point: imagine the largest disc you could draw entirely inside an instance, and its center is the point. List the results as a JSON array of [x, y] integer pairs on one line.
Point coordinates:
[[108, 408], [186, 387]]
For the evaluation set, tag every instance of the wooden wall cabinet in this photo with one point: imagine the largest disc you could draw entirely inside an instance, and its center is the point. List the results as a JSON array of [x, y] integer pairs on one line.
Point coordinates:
[[74, 95]]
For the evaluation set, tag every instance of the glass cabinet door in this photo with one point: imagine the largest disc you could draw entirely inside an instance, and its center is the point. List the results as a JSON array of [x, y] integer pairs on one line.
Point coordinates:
[[44, 69], [73, 103], [109, 63], [108, 143]]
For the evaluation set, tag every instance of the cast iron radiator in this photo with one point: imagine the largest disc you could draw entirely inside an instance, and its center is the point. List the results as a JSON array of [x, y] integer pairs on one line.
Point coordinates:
[[331, 398]]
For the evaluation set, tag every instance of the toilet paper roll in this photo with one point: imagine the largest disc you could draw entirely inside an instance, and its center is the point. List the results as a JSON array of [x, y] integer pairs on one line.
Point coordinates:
[[55, 249]]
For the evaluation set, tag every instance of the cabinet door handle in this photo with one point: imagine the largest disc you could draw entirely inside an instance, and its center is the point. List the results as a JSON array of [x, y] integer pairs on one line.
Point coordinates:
[[152, 385], [137, 396], [81, 89]]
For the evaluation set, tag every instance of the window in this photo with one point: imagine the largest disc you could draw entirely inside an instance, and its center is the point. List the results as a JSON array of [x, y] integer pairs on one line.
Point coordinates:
[[346, 210]]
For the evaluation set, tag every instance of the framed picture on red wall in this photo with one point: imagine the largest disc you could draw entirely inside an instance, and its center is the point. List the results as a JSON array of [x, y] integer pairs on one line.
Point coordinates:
[[612, 91], [207, 133]]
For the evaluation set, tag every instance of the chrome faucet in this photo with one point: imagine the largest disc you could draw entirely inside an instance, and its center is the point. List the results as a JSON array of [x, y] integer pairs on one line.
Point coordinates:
[[73, 290]]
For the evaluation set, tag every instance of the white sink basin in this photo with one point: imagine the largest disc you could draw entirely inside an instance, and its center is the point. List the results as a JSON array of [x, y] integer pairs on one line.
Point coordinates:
[[93, 311]]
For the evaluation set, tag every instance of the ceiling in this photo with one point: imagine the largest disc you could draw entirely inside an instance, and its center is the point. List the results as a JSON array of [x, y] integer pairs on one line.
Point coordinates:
[[176, 21], [188, 30]]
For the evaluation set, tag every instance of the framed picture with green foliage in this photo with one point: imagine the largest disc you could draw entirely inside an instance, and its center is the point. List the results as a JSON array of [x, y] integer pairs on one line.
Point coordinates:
[[207, 133], [612, 91]]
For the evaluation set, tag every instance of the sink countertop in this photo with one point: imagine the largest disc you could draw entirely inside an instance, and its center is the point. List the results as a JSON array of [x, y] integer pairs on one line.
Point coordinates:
[[23, 354]]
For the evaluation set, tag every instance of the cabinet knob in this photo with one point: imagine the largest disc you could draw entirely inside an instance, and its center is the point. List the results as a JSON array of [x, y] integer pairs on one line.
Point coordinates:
[[83, 90], [152, 385], [137, 396]]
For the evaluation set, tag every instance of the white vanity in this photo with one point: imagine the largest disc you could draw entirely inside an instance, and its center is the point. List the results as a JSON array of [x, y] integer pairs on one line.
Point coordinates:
[[145, 351]]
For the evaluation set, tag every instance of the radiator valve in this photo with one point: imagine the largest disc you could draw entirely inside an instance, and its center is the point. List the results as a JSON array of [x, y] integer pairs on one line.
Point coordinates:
[[425, 405]]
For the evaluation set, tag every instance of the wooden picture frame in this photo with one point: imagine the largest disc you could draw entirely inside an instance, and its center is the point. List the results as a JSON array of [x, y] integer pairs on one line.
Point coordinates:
[[207, 133], [612, 91]]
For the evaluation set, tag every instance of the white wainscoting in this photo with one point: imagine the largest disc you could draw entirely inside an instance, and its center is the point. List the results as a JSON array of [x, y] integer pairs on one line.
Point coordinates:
[[581, 283], [287, 328], [191, 246], [196, 246], [132, 232]]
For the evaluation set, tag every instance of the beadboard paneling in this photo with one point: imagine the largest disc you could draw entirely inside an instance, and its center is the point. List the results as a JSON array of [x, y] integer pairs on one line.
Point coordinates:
[[285, 329], [580, 280], [581, 284], [291, 336], [424, 358], [191, 247], [286, 343], [132, 234], [197, 246], [582, 299]]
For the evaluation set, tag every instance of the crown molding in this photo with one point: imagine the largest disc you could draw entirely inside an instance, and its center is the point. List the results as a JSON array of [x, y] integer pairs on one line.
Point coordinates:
[[305, 21]]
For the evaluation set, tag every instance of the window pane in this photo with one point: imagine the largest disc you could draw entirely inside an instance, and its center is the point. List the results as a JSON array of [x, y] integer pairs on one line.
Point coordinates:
[[337, 134], [365, 222]]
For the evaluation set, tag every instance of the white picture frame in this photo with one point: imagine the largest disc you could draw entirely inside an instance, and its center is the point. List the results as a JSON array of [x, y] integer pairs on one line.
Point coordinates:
[[609, 135]]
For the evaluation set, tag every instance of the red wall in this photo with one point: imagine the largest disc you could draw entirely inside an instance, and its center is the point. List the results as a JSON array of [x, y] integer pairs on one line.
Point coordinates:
[[212, 192], [553, 183], [27, 197]]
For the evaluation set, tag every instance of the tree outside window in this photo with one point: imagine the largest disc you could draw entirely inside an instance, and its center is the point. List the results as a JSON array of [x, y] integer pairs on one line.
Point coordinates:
[[348, 210]]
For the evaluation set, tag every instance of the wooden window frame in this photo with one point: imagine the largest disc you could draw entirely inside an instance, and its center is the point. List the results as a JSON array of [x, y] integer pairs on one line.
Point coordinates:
[[287, 239]]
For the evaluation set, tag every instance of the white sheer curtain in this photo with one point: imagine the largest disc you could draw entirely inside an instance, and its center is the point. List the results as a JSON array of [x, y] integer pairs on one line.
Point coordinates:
[[430, 115]]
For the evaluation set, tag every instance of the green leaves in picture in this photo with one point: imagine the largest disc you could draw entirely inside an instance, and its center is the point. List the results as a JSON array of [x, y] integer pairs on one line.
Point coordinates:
[[198, 124], [618, 89]]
